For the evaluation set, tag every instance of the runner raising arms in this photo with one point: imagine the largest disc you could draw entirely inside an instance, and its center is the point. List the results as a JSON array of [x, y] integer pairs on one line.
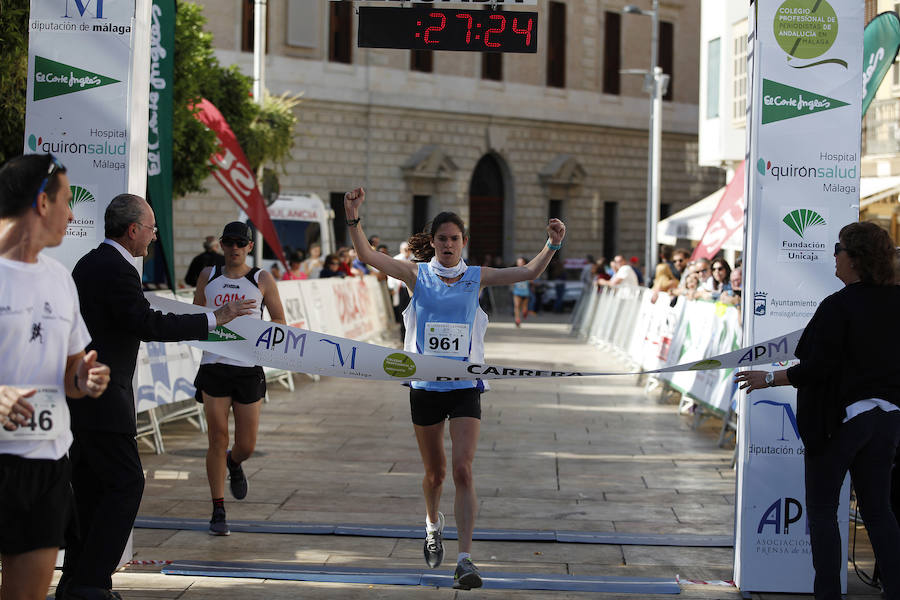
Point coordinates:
[[225, 384], [445, 304]]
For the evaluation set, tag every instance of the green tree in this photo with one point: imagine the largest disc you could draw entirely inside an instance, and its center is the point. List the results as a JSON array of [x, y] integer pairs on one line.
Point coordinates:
[[13, 76], [265, 132]]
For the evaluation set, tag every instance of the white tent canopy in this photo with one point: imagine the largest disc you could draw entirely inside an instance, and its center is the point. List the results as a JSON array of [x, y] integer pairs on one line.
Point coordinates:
[[873, 189], [691, 222]]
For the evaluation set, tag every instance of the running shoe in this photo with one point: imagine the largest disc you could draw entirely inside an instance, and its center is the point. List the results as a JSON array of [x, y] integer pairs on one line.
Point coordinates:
[[239, 484], [434, 544], [218, 525], [466, 576]]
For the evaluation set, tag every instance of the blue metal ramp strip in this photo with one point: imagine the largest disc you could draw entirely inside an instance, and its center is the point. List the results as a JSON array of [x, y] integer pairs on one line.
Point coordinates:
[[400, 531], [240, 526], [645, 539], [509, 581]]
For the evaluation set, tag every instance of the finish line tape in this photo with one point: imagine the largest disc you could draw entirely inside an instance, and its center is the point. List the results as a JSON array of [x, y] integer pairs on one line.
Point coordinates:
[[303, 351]]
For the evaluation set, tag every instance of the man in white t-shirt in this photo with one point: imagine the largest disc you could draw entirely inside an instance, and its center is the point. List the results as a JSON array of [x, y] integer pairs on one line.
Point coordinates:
[[399, 291], [42, 341], [624, 274]]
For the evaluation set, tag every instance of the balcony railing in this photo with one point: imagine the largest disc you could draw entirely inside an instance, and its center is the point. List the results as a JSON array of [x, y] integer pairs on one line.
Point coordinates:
[[881, 127]]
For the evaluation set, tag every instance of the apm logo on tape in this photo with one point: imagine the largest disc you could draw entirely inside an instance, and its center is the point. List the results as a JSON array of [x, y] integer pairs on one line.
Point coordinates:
[[282, 347]]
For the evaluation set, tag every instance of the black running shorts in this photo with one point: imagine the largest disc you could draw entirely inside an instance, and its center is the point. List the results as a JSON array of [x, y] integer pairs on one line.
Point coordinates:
[[35, 503], [430, 407], [244, 385]]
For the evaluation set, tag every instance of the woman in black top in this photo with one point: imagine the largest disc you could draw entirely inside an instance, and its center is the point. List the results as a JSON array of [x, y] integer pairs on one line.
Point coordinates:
[[848, 393]]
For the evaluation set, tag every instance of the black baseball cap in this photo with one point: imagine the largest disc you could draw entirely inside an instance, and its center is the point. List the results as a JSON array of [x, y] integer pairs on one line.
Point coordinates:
[[236, 230]]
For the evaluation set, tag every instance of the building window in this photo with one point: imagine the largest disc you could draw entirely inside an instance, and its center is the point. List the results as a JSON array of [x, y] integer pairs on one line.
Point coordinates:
[[612, 53], [492, 66], [610, 228], [555, 210], [247, 25], [556, 45], [739, 75], [420, 213], [303, 23], [421, 60], [666, 58], [339, 223], [665, 210], [340, 29], [713, 55]]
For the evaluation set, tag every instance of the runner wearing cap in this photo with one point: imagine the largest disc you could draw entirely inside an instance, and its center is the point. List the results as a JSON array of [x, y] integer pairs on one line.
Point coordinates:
[[444, 304], [225, 384]]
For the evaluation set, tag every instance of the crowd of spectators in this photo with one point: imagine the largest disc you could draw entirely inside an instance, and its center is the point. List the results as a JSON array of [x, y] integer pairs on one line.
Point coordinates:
[[675, 274]]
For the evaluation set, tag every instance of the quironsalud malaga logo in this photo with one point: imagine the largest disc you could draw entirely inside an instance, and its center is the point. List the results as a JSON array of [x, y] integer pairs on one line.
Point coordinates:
[[801, 219], [805, 30]]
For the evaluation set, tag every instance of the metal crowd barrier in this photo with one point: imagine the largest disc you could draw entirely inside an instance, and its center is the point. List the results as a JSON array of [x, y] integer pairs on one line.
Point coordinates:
[[356, 308], [648, 335]]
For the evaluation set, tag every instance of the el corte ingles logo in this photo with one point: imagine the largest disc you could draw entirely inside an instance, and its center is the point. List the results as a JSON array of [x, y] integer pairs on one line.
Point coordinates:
[[53, 78], [782, 102]]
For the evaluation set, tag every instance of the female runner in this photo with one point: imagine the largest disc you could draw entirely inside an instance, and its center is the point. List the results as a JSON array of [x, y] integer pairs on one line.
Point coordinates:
[[443, 319], [520, 292], [225, 384]]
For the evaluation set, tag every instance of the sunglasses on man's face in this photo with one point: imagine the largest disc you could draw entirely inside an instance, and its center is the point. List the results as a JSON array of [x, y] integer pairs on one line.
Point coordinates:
[[234, 242], [55, 166]]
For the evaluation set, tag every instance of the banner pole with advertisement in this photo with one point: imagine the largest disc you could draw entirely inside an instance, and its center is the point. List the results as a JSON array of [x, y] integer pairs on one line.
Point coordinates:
[[159, 142], [84, 61], [802, 186]]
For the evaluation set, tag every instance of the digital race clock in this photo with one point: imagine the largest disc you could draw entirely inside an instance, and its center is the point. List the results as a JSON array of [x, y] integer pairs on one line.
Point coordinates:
[[428, 28]]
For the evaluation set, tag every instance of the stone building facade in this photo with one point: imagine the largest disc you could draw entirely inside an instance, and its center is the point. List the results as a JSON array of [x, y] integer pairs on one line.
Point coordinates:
[[504, 153]]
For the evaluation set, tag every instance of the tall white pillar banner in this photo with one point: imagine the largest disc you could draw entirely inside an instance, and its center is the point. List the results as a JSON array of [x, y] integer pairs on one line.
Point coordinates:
[[79, 58], [802, 187]]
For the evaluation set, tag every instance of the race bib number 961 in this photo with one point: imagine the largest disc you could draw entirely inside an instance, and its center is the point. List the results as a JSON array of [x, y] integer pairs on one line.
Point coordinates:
[[447, 339], [50, 418]]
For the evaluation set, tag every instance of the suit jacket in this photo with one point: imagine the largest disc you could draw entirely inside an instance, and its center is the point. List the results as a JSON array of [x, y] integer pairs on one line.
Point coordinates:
[[118, 317]]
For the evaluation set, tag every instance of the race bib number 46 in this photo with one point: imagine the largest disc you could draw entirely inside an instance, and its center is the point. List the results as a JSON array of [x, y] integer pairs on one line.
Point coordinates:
[[447, 339], [50, 418]]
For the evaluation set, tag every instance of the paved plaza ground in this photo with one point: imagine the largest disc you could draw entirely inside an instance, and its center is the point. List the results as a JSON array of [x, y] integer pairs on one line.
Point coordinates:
[[585, 454]]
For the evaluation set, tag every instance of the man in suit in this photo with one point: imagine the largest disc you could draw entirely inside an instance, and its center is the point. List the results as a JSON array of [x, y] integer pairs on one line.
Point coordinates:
[[107, 476]]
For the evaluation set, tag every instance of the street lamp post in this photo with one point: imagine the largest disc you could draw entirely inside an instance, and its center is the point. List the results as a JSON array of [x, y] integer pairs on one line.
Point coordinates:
[[655, 82], [259, 90]]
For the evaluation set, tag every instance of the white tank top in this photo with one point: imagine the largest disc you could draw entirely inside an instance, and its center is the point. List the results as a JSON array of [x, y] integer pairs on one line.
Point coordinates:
[[221, 290]]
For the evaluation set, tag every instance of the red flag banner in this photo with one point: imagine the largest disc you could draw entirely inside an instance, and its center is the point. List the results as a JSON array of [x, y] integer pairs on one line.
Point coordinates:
[[726, 219], [234, 173]]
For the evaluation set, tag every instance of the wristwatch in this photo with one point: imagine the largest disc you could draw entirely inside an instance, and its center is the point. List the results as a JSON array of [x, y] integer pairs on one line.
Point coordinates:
[[770, 378]]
